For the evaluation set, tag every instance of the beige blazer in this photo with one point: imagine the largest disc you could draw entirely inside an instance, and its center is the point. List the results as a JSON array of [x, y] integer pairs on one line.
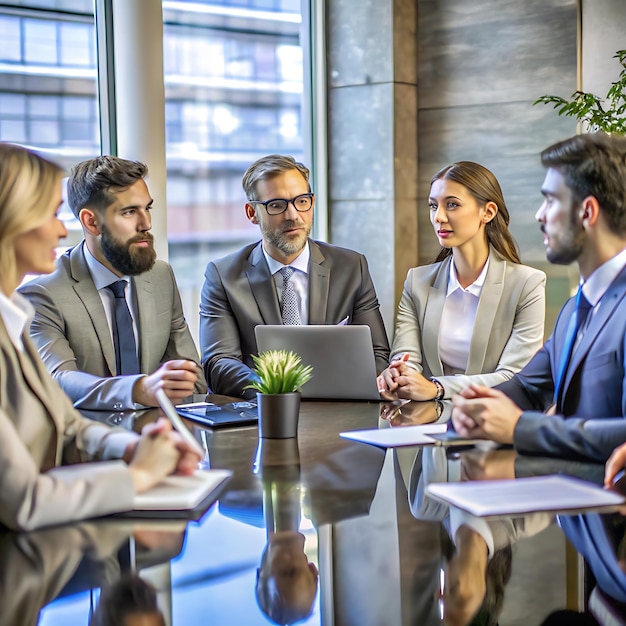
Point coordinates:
[[41, 434], [508, 330]]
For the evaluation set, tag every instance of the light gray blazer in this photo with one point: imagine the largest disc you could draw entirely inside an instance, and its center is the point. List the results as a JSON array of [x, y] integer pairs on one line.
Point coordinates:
[[508, 329], [40, 431], [72, 335]]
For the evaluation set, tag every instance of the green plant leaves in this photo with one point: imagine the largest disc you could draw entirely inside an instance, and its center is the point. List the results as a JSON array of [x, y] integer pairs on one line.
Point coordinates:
[[607, 114], [279, 371]]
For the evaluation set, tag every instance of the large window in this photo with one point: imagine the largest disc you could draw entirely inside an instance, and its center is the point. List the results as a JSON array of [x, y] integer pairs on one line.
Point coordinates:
[[234, 84], [48, 95]]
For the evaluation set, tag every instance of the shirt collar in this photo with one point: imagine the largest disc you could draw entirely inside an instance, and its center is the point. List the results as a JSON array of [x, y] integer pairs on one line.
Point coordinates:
[[301, 262], [17, 313], [102, 276], [475, 288], [600, 280]]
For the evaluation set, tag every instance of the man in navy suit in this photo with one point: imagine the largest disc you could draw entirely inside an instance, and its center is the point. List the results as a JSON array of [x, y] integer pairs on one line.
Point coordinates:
[[583, 219]]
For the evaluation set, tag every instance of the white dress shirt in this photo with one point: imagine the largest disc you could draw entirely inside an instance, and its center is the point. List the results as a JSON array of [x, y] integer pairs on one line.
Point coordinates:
[[457, 321], [299, 279], [17, 313]]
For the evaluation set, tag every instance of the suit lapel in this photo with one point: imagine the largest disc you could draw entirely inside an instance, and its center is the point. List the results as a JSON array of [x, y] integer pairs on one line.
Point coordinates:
[[89, 296], [37, 379], [485, 314], [432, 317], [319, 285], [607, 305], [262, 286]]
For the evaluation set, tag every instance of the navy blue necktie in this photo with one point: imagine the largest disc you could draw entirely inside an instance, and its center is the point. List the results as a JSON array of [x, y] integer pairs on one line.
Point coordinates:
[[123, 335], [582, 310]]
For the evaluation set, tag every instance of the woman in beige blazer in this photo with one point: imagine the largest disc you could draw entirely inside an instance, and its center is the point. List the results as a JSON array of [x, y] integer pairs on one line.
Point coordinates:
[[42, 437], [476, 315]]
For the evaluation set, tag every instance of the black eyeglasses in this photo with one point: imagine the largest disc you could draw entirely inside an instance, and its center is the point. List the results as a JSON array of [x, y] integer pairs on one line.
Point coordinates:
[[301, 203]]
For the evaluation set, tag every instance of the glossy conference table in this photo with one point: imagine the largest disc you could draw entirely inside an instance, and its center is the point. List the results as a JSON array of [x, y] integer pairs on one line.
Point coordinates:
[[382, 551]]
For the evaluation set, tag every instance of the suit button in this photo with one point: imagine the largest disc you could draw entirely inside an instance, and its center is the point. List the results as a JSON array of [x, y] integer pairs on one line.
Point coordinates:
[[117, 406]]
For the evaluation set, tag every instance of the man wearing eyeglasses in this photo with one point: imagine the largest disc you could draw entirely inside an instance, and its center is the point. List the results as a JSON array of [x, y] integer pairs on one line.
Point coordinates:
[[285, 278]]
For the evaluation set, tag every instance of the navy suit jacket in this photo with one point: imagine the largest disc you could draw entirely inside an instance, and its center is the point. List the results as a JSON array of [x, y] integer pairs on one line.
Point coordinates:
[[594, 386]]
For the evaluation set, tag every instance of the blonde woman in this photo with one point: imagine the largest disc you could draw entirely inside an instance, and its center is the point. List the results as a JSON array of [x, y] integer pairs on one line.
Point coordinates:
[[42, 437]]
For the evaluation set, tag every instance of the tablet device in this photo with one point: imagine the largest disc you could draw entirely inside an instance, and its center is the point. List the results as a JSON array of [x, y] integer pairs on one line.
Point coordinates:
[[227, 415]]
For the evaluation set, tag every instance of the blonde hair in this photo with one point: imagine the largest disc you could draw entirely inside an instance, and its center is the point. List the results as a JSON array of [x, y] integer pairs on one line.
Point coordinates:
[[27, 184]]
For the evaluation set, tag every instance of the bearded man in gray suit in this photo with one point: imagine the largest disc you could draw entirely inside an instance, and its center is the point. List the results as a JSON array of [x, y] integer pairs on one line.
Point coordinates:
[[332, 285], [75, 323], [579, 376]]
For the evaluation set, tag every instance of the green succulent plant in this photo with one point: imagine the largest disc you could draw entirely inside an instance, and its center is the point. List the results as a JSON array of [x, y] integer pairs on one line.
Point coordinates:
[[279, 371], [607, 114]]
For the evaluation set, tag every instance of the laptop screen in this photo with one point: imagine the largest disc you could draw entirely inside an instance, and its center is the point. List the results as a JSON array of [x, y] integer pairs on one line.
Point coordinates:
[[342, 358]]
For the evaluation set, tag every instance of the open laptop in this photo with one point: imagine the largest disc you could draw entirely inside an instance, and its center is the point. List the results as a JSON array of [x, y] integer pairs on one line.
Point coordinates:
[[342, 358]]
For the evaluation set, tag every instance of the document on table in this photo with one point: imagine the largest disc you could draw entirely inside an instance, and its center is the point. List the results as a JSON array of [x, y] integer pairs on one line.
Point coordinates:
[[179, 493], [496, 498], [396, 437]]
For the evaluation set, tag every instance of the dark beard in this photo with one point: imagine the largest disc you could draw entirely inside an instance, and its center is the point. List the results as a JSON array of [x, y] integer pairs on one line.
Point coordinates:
[[126, 261], [571, 244]]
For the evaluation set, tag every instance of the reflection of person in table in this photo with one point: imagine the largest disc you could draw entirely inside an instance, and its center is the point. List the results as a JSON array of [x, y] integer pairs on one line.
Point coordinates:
[[130, 601], [286, 581]]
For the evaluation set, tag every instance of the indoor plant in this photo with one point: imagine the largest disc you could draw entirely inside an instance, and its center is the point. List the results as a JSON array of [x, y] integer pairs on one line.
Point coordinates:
[[280, 374], [608, 114]]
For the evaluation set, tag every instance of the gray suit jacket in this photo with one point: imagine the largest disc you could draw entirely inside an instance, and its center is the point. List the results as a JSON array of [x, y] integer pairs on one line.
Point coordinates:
[[507, 332], [594, 386], [72, 335], [40, 431], [239, 293]]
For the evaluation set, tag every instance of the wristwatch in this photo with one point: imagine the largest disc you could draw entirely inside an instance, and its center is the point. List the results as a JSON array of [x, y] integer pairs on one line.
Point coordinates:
[[440, 390]]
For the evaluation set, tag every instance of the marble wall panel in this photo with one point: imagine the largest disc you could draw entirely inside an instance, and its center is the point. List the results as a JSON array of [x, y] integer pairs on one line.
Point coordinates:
[[361, 158], [368, 226], [359, 42], [488, 51]]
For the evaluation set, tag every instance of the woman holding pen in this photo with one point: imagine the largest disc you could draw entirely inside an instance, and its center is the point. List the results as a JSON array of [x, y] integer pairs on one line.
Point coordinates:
[[43, 439], [476, 315]]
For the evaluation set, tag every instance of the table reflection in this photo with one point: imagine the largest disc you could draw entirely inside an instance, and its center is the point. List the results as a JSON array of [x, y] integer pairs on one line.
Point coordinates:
[[319, 530]]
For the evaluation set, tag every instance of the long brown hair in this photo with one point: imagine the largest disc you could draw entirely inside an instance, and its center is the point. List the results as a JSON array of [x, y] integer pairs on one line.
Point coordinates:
[[484, 187]]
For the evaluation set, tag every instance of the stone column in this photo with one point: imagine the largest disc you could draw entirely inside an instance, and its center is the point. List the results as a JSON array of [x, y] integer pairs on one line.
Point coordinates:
[[140, 98], [372, 148]]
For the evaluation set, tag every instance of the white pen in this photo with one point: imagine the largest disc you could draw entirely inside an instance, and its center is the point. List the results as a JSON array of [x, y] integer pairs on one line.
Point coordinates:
[[344, 321], [170, 412]]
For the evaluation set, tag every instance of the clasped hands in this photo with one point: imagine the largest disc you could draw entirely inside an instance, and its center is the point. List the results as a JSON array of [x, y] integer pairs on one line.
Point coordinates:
[[401, 381]]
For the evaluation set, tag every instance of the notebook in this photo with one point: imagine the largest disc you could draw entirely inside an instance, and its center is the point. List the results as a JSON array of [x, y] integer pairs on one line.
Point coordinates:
[[554, 493], [342, 358]]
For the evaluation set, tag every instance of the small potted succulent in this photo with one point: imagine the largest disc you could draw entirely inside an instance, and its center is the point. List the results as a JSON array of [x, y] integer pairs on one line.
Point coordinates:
[[280, 375]]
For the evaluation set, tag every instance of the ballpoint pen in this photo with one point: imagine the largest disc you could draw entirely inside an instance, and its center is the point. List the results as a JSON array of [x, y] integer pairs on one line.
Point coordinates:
[[170, 412]]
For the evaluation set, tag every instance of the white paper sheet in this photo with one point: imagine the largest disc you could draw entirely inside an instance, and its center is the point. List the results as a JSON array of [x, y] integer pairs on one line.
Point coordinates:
[[554, 493], [397, 436]]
